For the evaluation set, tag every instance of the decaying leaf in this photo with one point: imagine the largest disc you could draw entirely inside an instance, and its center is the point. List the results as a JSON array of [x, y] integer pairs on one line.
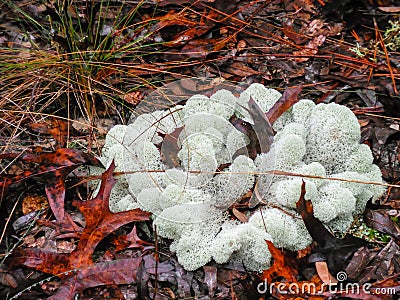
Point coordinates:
[[310, 49], [337, 251], [289, 98], [367, 265], [241, 70], [32, 203], [7, 279], [170, 148], [262, 126], [194, 28], [130, 240], [283, 266], [100, 221], [210, 278], [239, 215], [324, 274], [46, 165], [57, 128], [122, 271], [52, 168], [77, 269], [260, 134], [380, 220]]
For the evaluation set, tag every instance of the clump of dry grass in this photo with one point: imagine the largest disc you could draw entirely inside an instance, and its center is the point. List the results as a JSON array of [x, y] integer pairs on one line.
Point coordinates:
[[79, 61]]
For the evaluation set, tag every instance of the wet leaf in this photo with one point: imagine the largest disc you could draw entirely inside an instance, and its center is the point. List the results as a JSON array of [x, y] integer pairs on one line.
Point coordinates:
[[283, 266], [130, 240], [194, 28], [25, 220], [115, 272], [100, 221], [77, 269], [310, 49], [370, 265], [337, 251], [291, 33], [57, 128], [323, 273], [7, 279], [241, 70], [153, 267], [52, 168], [381, 221], [46, 165], [361, 258], [210, 278], [260, 134], [289, 98], [170, 148]]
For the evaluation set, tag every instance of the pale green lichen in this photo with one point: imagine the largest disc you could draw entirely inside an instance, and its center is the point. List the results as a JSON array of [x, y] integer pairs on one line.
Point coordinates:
[[189, 201]]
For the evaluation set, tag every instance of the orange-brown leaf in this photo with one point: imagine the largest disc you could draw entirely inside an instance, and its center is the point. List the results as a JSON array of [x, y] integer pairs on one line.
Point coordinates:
[[122, 271], [100, 222], [290, 96], [283, 266], [47, 165], [323, 273], [130, 240], [58, 129], [52, 168]]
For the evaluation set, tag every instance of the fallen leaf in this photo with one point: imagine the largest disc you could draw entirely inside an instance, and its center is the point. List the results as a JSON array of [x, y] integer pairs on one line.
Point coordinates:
[[210, 278], [134, 98], [100, 221], [381, 221], [370, 265], [291, 33], [260, 133], [324, 274], [194, 28], [52, 168], [45, 165], [282, 266], [122, 271], [289, 98], [241, 70], [26, 220], [77, 269], [361, 258], [240, 216], [310, 49], [337, 251], [169, 148], [6, 278], [130, 240], [390, 9], [32, 203], [392, 283], [57, 128], [262, 126]]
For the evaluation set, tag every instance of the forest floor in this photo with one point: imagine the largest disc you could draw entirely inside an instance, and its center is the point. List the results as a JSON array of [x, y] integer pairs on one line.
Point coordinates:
[[70, 70]]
